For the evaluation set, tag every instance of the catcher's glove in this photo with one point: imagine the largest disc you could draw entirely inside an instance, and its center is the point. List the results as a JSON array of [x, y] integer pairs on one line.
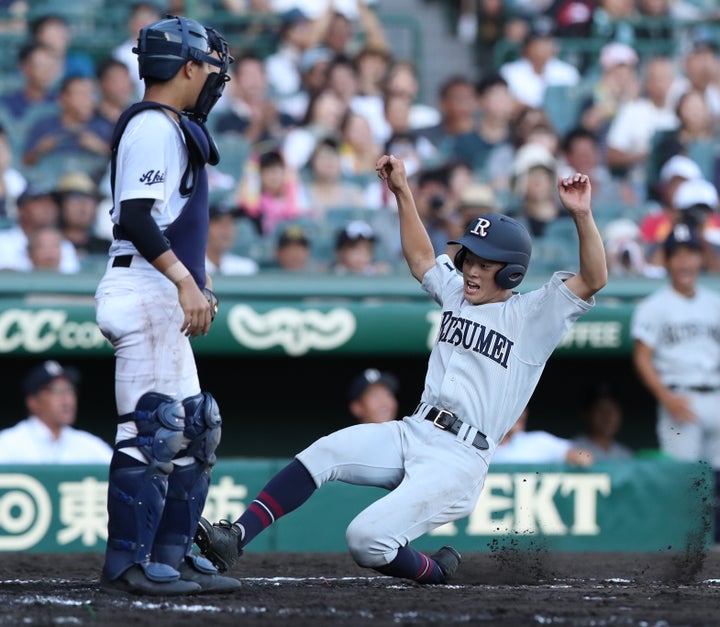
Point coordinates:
[[213, 300]]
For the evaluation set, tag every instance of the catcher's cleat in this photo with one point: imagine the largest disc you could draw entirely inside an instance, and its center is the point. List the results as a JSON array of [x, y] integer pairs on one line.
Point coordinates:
[[219, 542], [448, 559], [134, 581], [209, 582]]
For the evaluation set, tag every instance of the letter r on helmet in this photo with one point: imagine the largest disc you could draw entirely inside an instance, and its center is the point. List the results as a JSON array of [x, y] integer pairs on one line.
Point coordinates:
[[481, 227]]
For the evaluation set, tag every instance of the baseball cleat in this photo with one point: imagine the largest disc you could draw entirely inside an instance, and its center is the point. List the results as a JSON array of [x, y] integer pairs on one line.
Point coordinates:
[[134, 581], [208, 582], [219, 542], [448, 559]]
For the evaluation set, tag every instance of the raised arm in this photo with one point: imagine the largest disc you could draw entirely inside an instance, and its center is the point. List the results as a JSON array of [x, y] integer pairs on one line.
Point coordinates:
[[416, 244], [575, 194]]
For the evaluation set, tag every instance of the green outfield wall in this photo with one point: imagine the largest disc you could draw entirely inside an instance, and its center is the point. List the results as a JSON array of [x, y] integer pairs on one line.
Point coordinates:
[[643, 505]]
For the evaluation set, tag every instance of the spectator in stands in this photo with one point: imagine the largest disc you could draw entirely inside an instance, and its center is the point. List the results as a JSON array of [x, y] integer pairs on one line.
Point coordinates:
[[616, 20], [695, 126], [52, 30], [701, 72], [323, 118], [117, 92], [359, 151], [12, 182], [520, 446], [282, 66], [526, 123], [77, 196], [624, 250], [402, 80], [657, 223], [293, 249], [41, 69], [314, 64], [47, 435], [432, 198], [355, 251], [372, 65], [222, 233], [343, 77], [618, 83], [75, 130], [494, 109], [341, 28], [537, 68], [373, 396], [140, 14], [629, 138], [602, 417], [533, 187], [251, 113], [276, 194], [458, 109], [580, 152], [696, 206], [326, 188], [45, 249], [482, 22], [36, 209]]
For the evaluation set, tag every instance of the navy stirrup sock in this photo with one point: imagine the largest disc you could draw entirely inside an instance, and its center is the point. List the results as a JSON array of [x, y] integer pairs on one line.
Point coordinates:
[[411, 564], [286, 491]]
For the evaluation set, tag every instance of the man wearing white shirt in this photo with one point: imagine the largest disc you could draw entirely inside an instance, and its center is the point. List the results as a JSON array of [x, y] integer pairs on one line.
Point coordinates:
[[536, 69], [47, 435], [36, 209], [629, 138], [538, 447]]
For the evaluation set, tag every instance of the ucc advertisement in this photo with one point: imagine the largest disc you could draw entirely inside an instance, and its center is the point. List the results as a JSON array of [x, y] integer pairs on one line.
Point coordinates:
[[641, 505], [291, 329]]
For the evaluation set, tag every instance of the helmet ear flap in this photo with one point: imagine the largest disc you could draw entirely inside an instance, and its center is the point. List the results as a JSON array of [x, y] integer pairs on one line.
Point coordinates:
[[460, 258], [510, 276]]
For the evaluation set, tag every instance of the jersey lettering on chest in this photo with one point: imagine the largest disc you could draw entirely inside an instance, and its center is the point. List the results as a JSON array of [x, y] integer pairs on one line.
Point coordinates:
[[475, 337], [674, 333]]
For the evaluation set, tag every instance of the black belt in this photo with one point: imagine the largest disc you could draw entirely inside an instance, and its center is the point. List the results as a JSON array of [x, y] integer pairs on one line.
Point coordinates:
[[122, 261], [447, 421], [696, 388]]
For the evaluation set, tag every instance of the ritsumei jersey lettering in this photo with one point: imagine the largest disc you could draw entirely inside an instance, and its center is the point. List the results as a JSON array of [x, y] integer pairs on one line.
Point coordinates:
[[488, 359]]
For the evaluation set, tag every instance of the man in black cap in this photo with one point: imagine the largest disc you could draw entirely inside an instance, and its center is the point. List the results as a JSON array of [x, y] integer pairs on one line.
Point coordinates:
[[47, 436], [373, 397], [292, 250]]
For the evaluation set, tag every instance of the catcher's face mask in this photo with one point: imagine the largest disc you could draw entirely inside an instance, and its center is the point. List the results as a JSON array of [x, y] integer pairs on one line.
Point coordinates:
[[215, 82]]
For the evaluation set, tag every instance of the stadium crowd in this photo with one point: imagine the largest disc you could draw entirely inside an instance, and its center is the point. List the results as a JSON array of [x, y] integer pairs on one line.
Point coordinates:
[[318, 93]]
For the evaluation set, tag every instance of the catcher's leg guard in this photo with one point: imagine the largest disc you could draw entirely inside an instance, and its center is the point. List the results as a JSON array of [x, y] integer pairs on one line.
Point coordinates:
[[137, 491], [187, 492]]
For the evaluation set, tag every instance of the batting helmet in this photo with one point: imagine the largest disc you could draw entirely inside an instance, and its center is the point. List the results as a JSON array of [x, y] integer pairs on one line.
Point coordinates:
[[166, 45], [497, 237]]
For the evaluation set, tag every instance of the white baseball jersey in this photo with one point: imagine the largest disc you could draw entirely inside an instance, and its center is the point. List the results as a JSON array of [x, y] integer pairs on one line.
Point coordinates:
[[684, 334], [488, 359], [151, 159]]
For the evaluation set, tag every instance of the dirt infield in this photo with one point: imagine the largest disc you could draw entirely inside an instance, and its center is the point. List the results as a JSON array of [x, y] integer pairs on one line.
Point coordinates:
[[502, 586]]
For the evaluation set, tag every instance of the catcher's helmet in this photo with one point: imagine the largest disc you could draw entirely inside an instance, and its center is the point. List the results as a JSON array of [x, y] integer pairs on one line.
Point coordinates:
[[166, 45], [497, 237]]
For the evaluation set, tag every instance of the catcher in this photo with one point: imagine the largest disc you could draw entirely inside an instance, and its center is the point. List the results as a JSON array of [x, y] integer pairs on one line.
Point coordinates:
[[153, 298]]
